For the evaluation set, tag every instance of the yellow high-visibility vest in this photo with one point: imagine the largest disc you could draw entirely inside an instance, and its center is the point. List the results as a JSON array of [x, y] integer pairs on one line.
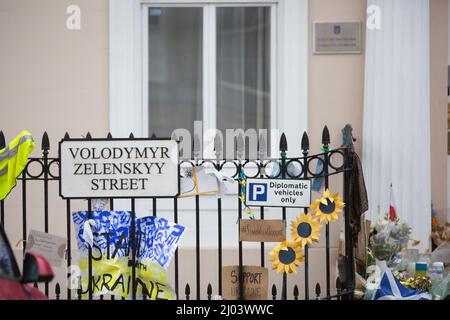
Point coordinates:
[[13, 160]]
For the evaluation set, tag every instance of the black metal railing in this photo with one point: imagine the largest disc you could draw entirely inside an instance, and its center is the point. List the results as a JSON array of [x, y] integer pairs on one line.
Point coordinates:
[[47, 172]]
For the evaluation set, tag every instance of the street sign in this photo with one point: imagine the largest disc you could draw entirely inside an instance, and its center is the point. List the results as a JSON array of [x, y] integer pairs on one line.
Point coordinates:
[[118, 168], [294, 193]]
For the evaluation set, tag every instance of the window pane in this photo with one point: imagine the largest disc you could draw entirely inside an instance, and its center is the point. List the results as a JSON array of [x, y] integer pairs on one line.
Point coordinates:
[[243, 67], [175, 69]]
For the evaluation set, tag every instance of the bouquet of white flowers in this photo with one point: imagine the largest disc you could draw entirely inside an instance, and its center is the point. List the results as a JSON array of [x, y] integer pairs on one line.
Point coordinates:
[[387, 237]]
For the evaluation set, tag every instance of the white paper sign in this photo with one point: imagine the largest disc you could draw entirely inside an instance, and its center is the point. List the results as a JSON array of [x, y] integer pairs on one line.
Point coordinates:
[[119, 168], [51, 247], [278, 193]]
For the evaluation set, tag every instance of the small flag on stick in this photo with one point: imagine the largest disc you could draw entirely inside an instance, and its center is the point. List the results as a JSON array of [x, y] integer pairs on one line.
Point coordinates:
[[392, 212]]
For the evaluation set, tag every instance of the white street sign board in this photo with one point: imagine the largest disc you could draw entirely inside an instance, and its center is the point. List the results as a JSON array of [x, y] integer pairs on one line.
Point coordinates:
[[119, 168], [294, 193]]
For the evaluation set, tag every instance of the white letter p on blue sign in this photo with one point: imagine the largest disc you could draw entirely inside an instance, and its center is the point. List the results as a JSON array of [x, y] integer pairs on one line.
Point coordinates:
[[258, 192]]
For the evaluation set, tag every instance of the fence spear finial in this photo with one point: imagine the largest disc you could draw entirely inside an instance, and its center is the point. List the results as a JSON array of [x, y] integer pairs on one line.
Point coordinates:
[[318, 291], [66, 136], [296, 293], [187, 291], [274, 291], [305, 142], [2, 140], [109, 136], [325, 136], [57, 290], [283, 143], [45, 146], [88, 136], [131, 135]]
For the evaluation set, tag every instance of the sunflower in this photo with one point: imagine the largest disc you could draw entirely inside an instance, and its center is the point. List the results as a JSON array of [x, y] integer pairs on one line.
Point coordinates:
[[328, 207], [286, 257], [305, 229]]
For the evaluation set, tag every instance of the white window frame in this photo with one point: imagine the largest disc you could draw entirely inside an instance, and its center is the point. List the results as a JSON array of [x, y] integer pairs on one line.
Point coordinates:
[[289, 65]]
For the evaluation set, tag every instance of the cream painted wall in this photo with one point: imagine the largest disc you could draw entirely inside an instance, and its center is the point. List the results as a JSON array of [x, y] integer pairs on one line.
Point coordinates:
[[52, 78], [448, 159], [439, 101], [336, 82]]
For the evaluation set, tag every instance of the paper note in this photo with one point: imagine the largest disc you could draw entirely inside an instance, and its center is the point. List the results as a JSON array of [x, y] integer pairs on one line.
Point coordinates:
[[48, 245]]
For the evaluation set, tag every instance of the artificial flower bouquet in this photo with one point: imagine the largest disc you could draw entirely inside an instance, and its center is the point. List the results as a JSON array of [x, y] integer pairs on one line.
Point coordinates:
[[388, 237]]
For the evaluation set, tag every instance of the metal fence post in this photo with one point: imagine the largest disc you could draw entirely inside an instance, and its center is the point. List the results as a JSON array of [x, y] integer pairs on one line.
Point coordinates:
[[262, 152], [325, 148], [197, 154], [218, 149], [133, 242], [45, 151], [283, 156], [90, 288], [240, 148], [305, 150]]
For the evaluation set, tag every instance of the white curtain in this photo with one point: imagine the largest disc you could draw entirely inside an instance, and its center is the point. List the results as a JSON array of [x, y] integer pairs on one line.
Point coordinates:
[[396, 132]]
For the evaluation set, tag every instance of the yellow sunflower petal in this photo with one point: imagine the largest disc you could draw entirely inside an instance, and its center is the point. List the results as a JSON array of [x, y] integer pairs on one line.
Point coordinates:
[[280, 267]]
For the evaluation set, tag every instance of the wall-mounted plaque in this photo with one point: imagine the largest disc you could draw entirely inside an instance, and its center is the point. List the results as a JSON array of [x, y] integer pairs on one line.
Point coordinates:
[[337, 37]]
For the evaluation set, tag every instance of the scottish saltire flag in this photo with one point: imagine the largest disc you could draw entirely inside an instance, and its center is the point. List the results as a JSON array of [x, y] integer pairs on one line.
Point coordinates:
[[391, 289]]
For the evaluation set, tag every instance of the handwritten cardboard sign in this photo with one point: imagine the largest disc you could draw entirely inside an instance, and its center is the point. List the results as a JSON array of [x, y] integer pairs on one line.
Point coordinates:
[[262, 230], [51, 247], [254, 279]]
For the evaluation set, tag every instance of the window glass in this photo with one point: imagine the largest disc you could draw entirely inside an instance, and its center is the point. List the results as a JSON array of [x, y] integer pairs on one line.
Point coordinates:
[[175, 93], [243, 67]]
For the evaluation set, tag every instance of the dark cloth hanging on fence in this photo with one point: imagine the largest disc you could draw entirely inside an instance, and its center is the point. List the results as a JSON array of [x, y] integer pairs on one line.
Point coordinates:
[[357, 200]]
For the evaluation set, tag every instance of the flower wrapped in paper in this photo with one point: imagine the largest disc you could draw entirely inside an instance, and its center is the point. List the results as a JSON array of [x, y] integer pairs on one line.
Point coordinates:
[[388, 237]]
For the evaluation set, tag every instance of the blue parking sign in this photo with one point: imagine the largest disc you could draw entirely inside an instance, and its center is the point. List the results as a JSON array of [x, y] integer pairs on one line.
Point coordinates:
[[258, 191]]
